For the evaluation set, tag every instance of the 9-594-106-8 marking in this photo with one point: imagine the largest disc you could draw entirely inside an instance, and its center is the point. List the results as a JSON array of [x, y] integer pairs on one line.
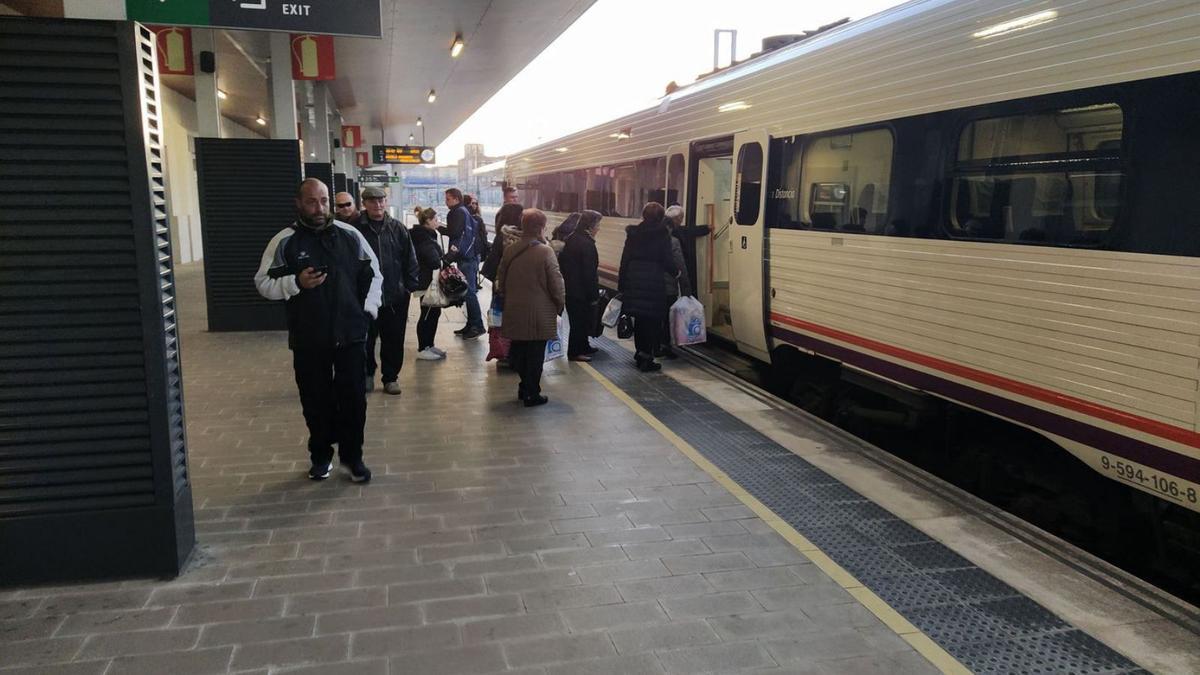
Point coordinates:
[[1163, 485]]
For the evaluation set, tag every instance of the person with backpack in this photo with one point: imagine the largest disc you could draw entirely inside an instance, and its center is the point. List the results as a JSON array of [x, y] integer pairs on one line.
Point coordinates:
[[462, 231]]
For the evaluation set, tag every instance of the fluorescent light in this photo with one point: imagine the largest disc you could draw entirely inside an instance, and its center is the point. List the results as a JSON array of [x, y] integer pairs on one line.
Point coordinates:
[[730, 107], [1017, 24], [410, 138], [432, 96], [419, 122], [457, 47], [563, 149], [261, 122], [222, 95]]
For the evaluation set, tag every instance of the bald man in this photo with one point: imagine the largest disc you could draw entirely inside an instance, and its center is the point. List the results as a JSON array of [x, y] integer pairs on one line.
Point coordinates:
[[343, 206], [330, 279]]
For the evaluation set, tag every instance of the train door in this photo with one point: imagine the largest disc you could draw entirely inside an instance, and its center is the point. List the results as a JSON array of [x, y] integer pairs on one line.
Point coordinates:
[[746, 266], [711, 206]]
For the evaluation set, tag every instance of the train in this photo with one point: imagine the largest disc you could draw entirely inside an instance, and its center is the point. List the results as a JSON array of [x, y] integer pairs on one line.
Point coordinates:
[[993, 206]]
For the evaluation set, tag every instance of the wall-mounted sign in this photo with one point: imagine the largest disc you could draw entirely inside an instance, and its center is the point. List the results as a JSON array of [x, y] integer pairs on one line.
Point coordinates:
[[378, 180], [402, 154], [351, 136], [174, 50], [362, 159], [358, 18], [312, 57]]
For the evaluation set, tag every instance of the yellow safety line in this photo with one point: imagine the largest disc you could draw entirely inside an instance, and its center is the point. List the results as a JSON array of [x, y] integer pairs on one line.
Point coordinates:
[[890, 617]]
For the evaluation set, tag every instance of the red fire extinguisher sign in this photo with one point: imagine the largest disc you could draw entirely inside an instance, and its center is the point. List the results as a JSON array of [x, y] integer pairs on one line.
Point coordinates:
[[174, 50], [312, 57]]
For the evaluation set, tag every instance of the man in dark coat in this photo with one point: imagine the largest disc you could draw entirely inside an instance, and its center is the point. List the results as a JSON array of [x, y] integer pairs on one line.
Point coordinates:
[[390, 241], [687, 236], [462, 230], [644, 261], [580, 266]]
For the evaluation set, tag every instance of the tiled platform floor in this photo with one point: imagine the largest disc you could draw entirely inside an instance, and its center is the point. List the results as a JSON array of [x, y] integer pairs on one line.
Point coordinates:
[[571, 538]]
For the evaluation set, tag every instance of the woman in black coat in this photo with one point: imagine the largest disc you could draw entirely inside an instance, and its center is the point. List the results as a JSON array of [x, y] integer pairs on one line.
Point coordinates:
[[429, 262], [580, 263], [646, 258]]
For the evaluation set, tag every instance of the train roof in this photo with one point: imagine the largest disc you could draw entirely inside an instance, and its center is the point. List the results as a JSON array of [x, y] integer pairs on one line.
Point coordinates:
[[918, 57]]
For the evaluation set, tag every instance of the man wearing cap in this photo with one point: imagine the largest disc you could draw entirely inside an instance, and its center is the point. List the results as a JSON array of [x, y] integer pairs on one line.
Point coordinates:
[[390, 241], [344, 208]]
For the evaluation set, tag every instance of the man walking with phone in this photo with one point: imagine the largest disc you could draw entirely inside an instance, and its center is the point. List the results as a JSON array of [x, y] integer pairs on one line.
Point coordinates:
[[331, 282]]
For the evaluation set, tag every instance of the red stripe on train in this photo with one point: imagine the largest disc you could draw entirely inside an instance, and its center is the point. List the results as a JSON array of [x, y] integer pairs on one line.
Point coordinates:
[[1143, 424]]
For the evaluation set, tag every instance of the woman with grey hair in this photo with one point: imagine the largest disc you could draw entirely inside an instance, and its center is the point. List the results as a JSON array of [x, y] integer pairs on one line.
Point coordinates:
[[677, 285]]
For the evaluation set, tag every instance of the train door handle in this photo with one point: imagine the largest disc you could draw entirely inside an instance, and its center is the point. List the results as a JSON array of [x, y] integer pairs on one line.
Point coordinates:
[[744, 243]]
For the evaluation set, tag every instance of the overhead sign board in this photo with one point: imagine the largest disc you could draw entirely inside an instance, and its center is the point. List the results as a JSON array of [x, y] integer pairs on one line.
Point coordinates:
[[402, 154], [357, 18]]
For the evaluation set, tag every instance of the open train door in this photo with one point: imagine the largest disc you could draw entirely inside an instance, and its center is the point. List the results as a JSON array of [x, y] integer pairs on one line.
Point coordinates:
[[746, 261]]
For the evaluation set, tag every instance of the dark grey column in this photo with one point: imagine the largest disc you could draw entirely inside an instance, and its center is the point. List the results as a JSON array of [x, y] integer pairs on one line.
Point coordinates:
[[94, 479]]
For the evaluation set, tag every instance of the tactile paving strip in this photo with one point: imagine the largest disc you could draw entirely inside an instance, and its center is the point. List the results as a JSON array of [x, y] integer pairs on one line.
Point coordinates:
[[986, 624]]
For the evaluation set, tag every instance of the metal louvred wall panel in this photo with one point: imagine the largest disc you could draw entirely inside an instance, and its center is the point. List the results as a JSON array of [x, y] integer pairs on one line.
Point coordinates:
[[247, 191], [93, 461], [322, 171]]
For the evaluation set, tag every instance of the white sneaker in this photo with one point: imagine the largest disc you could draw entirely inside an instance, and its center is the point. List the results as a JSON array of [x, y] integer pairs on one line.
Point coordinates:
[[428, 354], [439, 352]]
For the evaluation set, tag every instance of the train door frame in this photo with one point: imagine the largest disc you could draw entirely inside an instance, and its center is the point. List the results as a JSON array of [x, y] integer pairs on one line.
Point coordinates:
[[699, 150], [748, 261], [683, 192]]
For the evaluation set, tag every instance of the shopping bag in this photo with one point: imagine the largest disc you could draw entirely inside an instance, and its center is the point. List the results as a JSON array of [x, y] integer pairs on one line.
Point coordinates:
[[497, 345], [597, 316], [495, 315], [557, 347], [687, 321], [612, 313], [453, 285], [433, 297]]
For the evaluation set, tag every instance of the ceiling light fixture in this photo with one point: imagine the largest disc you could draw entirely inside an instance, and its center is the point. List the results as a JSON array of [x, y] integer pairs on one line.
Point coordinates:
[[222, 95], [730, 107], [457, 47], [261, 122], [432, 96], [419, 122], [411, 138], [562, 149], [621, 135], [1017, 24]]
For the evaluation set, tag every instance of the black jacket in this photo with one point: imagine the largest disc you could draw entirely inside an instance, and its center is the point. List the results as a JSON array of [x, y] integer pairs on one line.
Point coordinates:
[[687, 236], [393, 247], [336, 313], [579, 263], [429, 254], [646, 258]]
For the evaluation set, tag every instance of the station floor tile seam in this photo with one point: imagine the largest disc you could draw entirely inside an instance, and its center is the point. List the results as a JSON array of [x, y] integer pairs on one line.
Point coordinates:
[[957, 615]]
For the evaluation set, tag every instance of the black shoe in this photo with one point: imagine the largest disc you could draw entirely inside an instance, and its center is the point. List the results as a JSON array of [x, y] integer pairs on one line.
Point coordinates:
[[533, 401], [649, 366], [668, 353], [359, 473], [473, 333], [462, 330], [320, 471], [591, 350]]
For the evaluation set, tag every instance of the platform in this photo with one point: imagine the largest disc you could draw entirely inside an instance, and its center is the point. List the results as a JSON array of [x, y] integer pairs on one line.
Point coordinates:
[[673, 522]]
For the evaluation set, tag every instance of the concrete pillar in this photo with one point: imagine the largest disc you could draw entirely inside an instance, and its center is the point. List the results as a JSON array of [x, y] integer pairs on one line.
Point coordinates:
[[320, 141], [283, 90], [208, 110]]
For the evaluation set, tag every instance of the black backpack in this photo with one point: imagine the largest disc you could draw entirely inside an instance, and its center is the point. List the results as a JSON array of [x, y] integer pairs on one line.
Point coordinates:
[[482, 245]]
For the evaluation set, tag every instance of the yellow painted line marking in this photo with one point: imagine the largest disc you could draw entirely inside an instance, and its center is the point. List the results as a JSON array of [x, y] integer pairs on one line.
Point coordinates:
[[924, 646]]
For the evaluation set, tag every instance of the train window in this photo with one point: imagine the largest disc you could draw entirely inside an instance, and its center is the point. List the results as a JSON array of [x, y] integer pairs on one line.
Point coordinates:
[[625, 192], [572, 186], [675, 172], [650, 182], [1048, 177], [547, 191], [844, 179], [749, 184], [599, 195]]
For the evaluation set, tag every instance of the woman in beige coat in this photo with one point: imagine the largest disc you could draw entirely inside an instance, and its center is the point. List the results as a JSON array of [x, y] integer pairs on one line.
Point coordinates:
[[533, 294]]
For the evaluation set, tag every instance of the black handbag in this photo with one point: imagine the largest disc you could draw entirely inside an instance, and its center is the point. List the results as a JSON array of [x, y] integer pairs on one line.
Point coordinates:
[[606, 296], [625, 327]]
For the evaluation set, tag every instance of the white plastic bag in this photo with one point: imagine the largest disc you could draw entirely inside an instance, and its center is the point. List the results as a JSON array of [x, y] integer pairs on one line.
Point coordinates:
[[433, 296], [687, 321], [557, 348], [611, 313]]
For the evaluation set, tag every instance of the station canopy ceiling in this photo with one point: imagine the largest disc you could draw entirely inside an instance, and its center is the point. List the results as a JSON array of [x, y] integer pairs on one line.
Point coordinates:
[[384, 84]]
